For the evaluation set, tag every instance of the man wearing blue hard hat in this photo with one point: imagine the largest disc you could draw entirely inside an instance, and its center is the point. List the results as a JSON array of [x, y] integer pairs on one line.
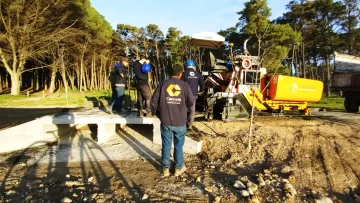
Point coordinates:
[[118, 80], [141, 70], [194, 79]]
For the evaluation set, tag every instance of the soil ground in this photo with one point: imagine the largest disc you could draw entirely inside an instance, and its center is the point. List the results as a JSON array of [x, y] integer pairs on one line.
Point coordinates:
[[319, 156]]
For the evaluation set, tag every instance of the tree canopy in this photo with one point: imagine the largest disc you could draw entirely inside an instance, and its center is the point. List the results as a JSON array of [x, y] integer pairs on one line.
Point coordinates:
[[52, 44]]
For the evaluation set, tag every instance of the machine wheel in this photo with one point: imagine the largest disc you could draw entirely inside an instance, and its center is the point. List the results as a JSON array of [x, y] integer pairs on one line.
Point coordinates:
[[351, 105]]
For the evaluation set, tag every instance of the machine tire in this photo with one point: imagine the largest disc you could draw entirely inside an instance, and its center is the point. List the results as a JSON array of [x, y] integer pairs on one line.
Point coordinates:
[[351, 105]]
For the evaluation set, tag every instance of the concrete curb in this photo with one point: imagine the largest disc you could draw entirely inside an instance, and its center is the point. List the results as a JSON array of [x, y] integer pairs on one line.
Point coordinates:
[[46, 129]]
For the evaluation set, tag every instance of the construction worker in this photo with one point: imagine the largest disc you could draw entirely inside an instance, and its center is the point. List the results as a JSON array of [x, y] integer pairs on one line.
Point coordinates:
[[141, 70], [194, 79], [171, 101], [118, 80]]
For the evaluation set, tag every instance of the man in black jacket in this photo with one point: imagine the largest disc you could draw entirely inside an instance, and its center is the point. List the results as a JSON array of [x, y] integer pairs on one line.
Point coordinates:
[[194, 79], [118, 81], [171, 101], [143, 88]]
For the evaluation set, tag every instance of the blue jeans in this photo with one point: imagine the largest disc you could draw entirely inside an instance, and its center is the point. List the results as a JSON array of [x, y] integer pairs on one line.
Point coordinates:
[[167, 133], [117, 97]]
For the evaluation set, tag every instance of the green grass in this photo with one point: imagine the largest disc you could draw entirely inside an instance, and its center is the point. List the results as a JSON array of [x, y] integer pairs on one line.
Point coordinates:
[[58, 99], [333, 102], [84, 99]]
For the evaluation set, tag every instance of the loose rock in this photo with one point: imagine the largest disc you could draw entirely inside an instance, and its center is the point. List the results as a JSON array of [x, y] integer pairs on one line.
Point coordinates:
[[244, 179], [239, 185], [253, 186], [209, 189], [199, 179], [66, 200], [217, 199], [324, 200], [290, 189], [250, 191], [255, 200], [269, 188], [91, 179], [72, 183], [261, 181], [11, 192], [145, 197], [244, 193]]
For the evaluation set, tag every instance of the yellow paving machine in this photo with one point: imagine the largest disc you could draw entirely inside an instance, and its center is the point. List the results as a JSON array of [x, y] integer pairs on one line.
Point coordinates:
[[232, 88]]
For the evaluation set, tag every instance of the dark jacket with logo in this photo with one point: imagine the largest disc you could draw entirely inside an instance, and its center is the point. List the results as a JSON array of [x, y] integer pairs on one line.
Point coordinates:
[[194, 79], [172, 99], [118, 75], [142, 78]]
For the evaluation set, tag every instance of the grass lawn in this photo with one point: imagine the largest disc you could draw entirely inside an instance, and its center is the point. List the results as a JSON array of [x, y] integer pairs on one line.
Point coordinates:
[[85, 99], [331, 103], [58, 99]]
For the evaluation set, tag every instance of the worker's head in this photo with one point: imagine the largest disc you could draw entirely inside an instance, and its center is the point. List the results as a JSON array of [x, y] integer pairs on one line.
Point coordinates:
[[190, 64], [125, 60], [229, 66], [144, 59], [177, 70]]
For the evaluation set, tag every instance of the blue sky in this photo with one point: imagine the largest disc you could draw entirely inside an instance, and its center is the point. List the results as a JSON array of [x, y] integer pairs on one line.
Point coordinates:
[[189, 16]]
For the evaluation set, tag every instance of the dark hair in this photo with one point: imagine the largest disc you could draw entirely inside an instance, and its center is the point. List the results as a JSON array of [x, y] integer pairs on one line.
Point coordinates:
[[143, 56], [124, 58], [177, 70]]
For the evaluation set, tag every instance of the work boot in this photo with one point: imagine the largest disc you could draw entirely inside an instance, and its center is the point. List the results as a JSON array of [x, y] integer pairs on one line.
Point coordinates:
[[150, 115], [165, 172], [178, 172], [141, 113]]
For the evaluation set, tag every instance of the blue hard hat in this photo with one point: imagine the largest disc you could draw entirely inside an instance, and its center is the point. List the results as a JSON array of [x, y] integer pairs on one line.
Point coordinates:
[[189, 63], [146, 68], [117, 64], [228, 65]]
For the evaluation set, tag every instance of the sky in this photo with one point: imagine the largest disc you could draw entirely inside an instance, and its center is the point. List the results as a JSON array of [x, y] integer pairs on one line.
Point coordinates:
[[189, 16]]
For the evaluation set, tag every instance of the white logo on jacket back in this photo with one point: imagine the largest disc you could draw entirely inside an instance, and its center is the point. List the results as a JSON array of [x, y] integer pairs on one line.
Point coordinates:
[[192, 75]]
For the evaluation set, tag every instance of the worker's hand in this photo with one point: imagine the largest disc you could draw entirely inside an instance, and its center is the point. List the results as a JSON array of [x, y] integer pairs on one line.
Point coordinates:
[[201, 93]]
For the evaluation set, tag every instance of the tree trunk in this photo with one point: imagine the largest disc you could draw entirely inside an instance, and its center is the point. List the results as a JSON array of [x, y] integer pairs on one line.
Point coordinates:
[[80, 80], [52, 79], [293, 70], [86, 79], [8, 81], [1, 83], [15, 83], [92, 75], [70, 73], [303, 57], [96, 82], [328, 76], [63, 71], [35, 80], [102, 73]]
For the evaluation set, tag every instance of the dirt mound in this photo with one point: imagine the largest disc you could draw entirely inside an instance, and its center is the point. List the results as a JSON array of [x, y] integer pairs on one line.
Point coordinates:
[[291, 160]]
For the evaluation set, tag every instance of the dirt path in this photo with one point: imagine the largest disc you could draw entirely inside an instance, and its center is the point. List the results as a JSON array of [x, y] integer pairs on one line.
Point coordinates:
[[318, 157]]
